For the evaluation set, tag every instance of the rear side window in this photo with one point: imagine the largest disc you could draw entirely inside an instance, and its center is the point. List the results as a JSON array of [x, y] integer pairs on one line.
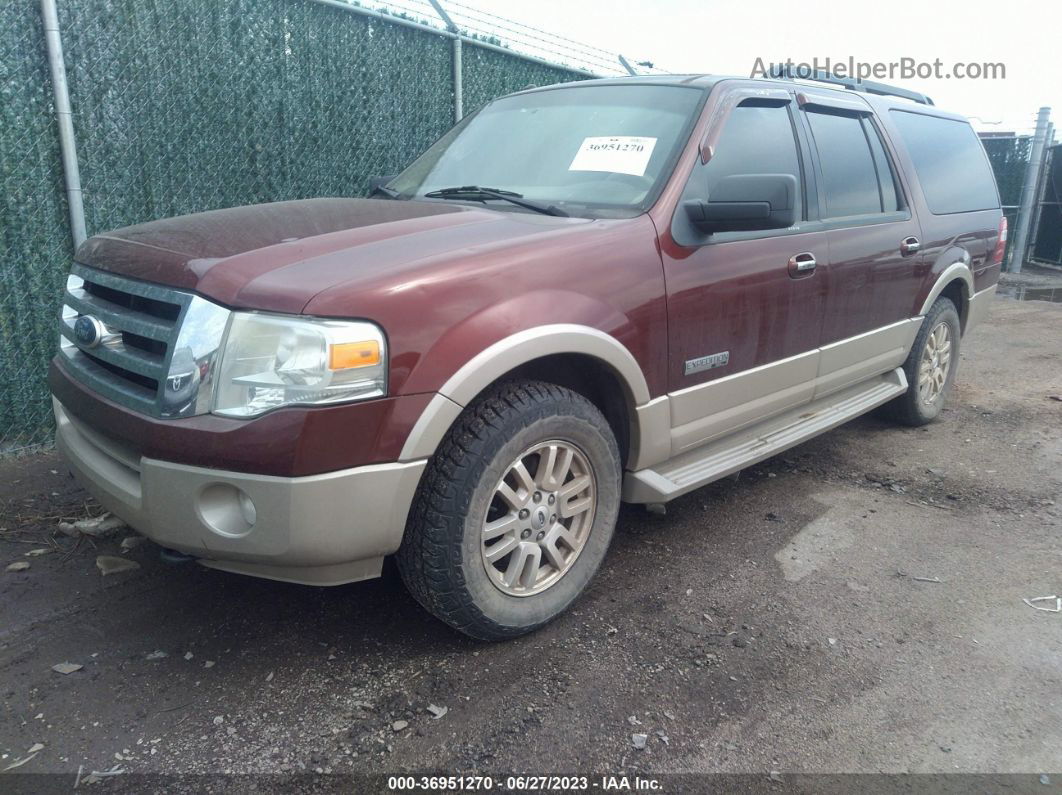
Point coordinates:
[[850, 170], [949, 161]]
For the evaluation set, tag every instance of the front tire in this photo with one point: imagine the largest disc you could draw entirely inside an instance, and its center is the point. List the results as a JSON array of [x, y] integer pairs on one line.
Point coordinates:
[[930, 366], [515, 511]]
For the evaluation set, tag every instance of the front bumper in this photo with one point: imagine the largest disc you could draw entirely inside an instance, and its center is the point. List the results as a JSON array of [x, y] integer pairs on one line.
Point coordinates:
[[322, 529]]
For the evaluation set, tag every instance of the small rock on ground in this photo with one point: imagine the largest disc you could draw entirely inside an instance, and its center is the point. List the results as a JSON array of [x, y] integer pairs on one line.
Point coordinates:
[[97, 527], [108, 564]]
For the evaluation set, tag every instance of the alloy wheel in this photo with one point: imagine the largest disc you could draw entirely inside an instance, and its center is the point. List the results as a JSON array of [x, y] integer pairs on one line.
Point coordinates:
[[539, 518], [935, 363]]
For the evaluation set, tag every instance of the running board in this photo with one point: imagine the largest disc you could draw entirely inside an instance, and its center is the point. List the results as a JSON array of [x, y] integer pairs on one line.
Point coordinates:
[[723, 457]]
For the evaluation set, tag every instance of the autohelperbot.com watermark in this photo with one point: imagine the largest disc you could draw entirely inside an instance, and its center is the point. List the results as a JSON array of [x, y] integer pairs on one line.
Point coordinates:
[[900, 69]]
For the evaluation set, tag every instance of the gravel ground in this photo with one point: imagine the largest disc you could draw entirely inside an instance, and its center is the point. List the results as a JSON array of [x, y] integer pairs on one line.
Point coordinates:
[[854, 605]]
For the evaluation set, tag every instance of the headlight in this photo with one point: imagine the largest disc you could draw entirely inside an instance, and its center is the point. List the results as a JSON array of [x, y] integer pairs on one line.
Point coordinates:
[[270, 361]]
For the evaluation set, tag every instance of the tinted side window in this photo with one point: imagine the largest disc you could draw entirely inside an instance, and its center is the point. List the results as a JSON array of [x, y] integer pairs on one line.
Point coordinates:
[[949, 161], [757, 139], [849, 175]]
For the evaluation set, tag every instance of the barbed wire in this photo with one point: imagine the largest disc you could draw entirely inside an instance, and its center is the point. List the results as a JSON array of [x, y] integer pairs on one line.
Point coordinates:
[[510, 37], [486, 14], [520, 37], [484, 22]]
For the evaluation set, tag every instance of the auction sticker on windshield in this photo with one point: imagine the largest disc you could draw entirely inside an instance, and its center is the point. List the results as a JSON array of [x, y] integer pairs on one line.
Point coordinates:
[[620, 154]]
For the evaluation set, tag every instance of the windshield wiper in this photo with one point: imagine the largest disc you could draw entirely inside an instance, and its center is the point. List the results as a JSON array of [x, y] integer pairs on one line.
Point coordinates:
[[477, 193]]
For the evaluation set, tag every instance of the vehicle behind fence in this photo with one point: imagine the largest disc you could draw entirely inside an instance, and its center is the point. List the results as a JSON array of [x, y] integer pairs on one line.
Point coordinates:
[[194, 105]]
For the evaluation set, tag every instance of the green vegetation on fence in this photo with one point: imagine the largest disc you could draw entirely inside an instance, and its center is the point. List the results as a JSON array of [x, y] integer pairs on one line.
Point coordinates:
[[35, 246], [195, 105]]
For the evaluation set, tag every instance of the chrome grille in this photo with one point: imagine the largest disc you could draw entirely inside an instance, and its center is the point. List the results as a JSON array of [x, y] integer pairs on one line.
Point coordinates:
[[147, 347]]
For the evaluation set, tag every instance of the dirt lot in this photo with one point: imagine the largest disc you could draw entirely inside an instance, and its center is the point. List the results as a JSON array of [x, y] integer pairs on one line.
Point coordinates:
[[854, 605]]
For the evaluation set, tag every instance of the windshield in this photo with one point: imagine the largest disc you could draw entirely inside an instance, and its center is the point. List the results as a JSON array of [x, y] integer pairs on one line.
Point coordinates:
[[590, 150]]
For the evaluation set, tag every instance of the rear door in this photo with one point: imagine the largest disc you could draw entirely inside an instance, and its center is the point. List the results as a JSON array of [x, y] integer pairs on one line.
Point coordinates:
[[874, 241]]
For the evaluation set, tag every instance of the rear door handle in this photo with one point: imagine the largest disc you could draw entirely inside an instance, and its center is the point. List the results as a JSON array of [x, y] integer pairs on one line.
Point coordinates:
[[801, 265], [909, 245]]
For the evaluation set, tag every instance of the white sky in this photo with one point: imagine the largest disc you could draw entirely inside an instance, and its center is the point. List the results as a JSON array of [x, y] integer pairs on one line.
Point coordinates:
[[726, 37]]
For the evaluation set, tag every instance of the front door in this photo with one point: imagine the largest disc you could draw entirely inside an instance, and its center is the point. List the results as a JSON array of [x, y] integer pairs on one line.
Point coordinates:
[[745, 309]]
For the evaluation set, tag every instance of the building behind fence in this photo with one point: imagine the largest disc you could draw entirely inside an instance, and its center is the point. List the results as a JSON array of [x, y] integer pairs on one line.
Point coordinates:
[[194, 105]]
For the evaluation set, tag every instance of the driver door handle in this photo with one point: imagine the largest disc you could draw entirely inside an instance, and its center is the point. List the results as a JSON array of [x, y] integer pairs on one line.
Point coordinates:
[[801, 265], [909, 245]]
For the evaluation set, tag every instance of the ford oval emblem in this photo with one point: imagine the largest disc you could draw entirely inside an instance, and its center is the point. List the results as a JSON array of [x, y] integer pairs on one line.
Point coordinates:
[[88, 331]]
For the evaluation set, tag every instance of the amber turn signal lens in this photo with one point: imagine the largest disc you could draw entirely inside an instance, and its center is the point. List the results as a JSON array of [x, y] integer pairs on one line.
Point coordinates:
[[345, 355]]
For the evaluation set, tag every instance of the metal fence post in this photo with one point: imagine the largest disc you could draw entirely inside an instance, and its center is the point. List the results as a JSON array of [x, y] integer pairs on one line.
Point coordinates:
[[459, 87], [1041, 189], [1028, 193], [64, 117], [459, 81]]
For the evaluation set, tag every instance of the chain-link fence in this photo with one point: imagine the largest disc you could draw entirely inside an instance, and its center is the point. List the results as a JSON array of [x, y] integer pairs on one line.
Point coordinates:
[[35, 246], [195, 105]]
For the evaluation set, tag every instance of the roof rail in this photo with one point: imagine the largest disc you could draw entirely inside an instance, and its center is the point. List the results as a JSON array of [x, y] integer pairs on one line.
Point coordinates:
[[794, 72]]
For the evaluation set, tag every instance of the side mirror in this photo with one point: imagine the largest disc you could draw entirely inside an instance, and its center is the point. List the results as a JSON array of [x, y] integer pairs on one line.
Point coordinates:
[[743, 202]]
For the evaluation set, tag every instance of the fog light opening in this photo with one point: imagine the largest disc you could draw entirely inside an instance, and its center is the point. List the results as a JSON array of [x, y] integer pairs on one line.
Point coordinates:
[[227, 510]]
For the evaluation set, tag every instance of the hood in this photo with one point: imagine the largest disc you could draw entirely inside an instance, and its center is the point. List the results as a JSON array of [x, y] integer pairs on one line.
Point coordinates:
[[278, 256]]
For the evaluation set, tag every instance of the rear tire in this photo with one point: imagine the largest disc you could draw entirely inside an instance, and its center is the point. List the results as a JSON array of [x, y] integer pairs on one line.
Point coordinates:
[[930, 367], [515, 511]]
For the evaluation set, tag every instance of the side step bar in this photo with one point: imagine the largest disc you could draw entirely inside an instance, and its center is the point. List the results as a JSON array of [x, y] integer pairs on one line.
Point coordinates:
[[723, 457]]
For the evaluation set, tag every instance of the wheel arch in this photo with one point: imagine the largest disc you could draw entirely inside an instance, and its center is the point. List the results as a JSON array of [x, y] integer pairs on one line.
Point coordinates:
[[955, 282], [582, 358]]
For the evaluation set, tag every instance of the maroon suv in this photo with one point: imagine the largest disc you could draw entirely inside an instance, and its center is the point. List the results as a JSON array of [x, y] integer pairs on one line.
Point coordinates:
[[601, 291]]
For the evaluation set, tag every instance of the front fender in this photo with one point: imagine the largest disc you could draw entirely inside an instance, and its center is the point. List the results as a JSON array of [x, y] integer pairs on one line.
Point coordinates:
[[459, 366], [486, 346]]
